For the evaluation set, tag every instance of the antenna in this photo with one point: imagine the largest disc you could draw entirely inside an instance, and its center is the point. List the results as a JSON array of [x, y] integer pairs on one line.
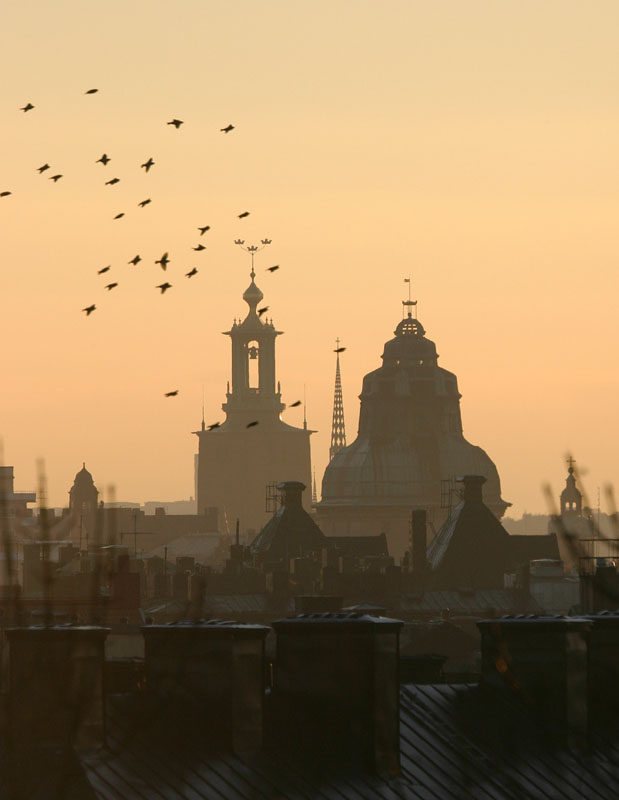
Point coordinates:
[[203, 424], [304, 409]]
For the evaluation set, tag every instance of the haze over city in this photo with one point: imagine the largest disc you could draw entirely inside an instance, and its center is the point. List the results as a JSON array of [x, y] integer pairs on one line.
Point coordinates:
[[469, 146]]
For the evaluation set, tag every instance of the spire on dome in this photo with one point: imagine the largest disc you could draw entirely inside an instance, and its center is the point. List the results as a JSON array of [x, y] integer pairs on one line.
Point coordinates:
[[252, 295], [338, 429]]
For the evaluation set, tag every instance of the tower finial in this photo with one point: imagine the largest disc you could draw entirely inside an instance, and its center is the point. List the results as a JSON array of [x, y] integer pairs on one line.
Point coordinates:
[[252, 249], [304, 409], [203, 422], [338, 428], [571, 462], [408, 305]]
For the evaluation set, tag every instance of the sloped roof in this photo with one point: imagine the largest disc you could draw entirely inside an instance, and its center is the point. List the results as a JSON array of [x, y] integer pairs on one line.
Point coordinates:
[[289, 533]]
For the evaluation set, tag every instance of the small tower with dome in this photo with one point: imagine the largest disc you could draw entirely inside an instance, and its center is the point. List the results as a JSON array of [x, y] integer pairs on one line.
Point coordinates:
[[236, 463]]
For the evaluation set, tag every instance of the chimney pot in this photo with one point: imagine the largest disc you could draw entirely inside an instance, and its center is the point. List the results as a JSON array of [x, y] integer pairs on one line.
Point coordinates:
[[292, 492], [472, 487]]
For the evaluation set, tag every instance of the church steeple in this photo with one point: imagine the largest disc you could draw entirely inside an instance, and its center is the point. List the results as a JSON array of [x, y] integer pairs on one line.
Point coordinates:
[[338, 428], [253, 353], [571, 498]]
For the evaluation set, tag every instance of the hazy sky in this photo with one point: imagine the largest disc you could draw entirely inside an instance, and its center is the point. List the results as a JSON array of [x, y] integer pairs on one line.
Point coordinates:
[[470, 144]]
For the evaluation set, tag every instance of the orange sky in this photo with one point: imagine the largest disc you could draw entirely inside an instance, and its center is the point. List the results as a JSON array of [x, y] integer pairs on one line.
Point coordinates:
[[471, 145]]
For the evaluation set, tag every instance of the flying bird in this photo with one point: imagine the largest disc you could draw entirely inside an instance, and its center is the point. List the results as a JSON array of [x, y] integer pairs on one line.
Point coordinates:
[[191, 272], [164, 287], [199, 247], [43, 168], [272, 269], [89, 309], [244, 214], [147, 164], [339, 350], [262, 311], [112, 182], [204, 229], [145, 202], [295, 404], [118, 216], [164, 261], [135, 260], [27, 107], [54, 178], [91, 91], [103, 160], [105, 269], [213, 426], [227, 129], [171, 394], [176, 122], [5, 194], [110, 286], [252, 424]]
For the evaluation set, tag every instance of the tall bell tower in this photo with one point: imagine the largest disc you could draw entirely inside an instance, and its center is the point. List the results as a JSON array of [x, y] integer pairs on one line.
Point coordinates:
[[253, 447]]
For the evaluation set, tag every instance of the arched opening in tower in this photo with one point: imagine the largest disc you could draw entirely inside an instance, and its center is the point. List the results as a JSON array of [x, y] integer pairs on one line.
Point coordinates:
[[253, 354]]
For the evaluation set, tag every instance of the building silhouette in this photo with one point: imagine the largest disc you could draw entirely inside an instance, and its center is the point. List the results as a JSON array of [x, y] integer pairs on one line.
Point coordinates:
[[237, 463], [409, 450]]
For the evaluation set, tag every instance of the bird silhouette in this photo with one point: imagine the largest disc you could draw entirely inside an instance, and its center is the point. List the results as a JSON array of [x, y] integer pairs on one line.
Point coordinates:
[[191, 272], [295, 404], [339, 350], [171, 394], [43, 168], [54, 178], [5, 194], [252, 424], [103, 160], [262, 311], [112, 182], [147, 164], [199, 247], [204, 229], [135, 260], [89, 309], [244, 214], [118, 216], [145, 202], [110, 286], [176, 122], [91, 91], [272, 269], [164, 287], [105, 269], [27, 107], [164, 261], [227, 129], [213, 426]]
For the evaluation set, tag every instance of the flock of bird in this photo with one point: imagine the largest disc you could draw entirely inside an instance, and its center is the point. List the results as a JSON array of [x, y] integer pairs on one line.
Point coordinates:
[[163, 262]]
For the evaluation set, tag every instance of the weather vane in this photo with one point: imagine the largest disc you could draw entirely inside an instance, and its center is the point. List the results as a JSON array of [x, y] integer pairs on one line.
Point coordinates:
[[252, 249]]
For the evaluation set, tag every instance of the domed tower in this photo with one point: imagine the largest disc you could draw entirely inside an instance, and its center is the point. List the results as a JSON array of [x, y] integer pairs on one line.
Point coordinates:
[[409, 448], [571, 498], [83, 495], [236, 463]]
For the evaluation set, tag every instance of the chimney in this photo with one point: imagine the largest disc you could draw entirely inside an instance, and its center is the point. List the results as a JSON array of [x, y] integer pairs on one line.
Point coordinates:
[[542, 660], [336, 688], [472, 488], [56, 686], [603, 668], [419, 542], [292, 492], [209, 676]]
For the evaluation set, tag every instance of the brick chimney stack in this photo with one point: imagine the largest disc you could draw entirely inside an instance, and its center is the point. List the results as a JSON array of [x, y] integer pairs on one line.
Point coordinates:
[[292, 492], [209, 676], [336, 690], [56, 686], [542, 660], [472, 488]]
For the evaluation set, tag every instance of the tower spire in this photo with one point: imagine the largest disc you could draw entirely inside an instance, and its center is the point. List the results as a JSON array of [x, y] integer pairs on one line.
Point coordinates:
[[338, 429]]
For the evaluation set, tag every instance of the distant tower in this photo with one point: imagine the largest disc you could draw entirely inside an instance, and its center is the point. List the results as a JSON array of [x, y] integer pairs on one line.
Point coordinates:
[[83, 495], [338, 428], [237, 462], [571, 498]]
